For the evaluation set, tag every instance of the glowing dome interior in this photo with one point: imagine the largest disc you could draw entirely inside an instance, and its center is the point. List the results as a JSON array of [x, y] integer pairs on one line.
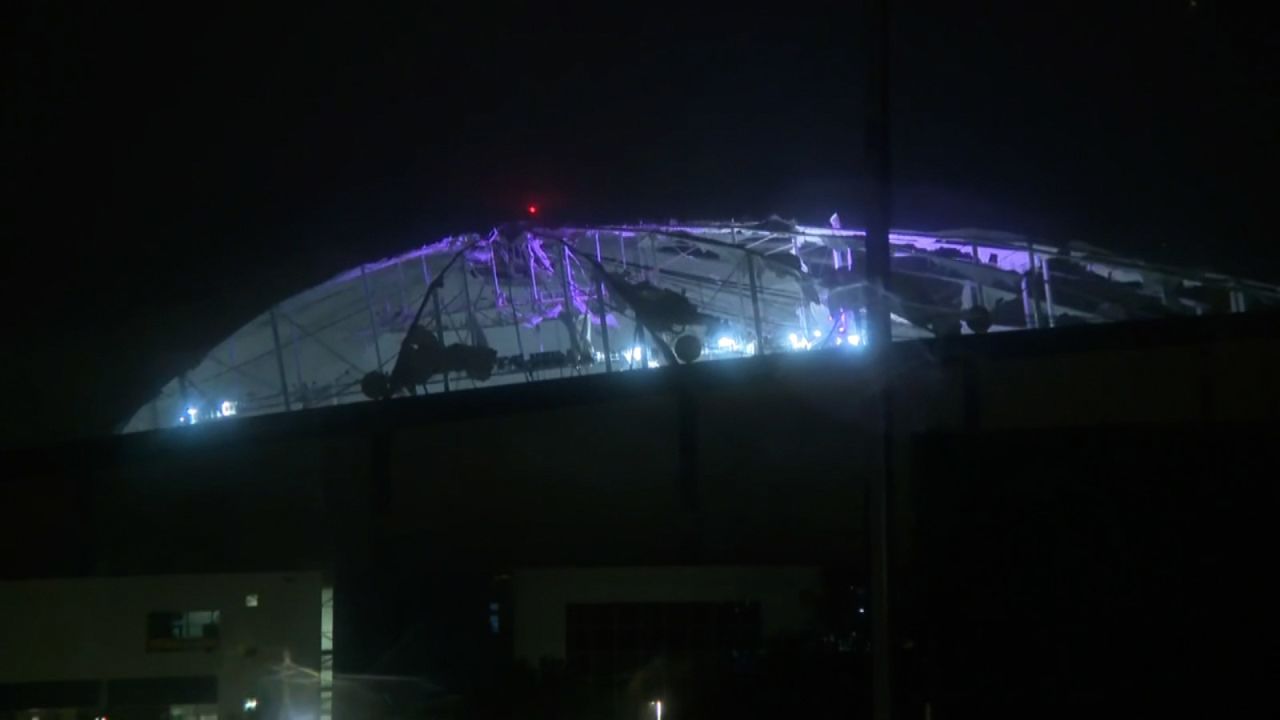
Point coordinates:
[[532, 295]]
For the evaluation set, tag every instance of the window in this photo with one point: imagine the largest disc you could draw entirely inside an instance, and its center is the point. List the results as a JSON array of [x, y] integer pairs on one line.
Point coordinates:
[[183, 630], [193, 712], [251, 600]]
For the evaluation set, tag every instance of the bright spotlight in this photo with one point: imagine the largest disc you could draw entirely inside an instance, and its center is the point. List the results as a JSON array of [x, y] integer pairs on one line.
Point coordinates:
[[726, 343], [797, 342], [817, 333], [250, 704], [854, 339], [227, 408]]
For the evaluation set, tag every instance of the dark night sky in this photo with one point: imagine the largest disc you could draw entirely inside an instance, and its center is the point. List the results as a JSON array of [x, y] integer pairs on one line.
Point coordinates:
[[173, 172]]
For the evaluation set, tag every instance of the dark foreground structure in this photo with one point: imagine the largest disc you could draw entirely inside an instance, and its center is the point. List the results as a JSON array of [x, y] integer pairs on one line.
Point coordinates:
[[1079, 521]]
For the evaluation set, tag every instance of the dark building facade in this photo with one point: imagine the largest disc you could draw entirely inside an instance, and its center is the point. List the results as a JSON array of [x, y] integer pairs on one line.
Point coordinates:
[[1076, 514]]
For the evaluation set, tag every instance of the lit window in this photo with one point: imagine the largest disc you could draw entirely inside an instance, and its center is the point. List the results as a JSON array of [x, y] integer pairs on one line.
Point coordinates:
[[193, 712], [183, 630], [251, 600]]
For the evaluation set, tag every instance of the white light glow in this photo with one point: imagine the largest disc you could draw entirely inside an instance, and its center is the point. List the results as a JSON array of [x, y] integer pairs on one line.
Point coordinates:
[[634, 354], [193, 414], [227, 408], [839, 340], [854, 339], [657, 709], [726, 343], [654, 364], [250, 704], [797, 342], [817, 333]]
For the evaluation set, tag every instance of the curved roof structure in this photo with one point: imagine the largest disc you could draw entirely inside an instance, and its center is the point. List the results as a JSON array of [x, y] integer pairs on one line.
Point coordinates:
[[522, 303]]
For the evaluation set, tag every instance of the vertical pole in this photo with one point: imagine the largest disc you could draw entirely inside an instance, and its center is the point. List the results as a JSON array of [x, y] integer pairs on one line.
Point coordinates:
[[1031, 290], [755, 305], [533, 277], [435, 302], [977, 259], [1028, 303], [511, 301], [275, 337], [373, 320], [1238, 304], [466, 301], [183, 393], [878, 332], [653, 276], [653, 260], [804, 304], [568, 307], [1048, 289], [296, 341], [604, 321]]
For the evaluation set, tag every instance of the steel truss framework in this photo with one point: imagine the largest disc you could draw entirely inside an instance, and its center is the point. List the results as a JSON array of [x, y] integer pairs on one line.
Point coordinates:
[[535, 294]]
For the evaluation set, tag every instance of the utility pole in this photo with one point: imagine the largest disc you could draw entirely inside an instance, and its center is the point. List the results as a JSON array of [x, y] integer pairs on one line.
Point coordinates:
[[879, 207]]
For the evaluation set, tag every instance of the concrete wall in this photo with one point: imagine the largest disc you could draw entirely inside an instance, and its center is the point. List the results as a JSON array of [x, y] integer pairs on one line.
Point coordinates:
[[96, 629], [787, 597]]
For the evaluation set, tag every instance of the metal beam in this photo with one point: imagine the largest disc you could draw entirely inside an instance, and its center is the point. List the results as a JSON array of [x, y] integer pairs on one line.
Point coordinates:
[[1048, 289], [604, 315], [316, 339], [373, 320], [275, 337], [426, 276]]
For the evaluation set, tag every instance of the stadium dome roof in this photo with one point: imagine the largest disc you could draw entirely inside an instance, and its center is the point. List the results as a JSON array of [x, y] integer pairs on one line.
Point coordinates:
[[521, 303]]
